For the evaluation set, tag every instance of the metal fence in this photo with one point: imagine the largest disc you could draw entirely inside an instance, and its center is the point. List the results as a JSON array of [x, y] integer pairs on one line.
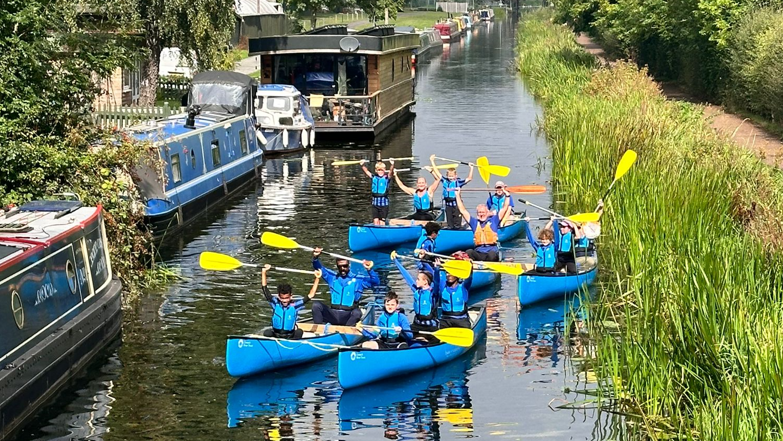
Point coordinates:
[[114, 116]]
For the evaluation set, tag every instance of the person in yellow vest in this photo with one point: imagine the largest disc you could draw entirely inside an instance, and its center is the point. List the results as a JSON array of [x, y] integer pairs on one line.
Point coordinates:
[[485, 226]]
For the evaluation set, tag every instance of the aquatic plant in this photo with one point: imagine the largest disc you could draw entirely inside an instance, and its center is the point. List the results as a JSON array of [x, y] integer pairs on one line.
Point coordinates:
[[691, 246]]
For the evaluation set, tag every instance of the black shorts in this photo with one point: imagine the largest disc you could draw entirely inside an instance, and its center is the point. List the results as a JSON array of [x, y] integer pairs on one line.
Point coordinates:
[[380, 212]]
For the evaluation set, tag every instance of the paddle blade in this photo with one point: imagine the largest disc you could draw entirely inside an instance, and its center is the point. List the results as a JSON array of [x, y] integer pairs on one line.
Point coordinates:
[[585, 217], [217, 262], [277, 241], [504, 268], [482, 163], [625, 164], [346, 162], [444, 166], [460, 269], [499, 170], [527, 189], [455, 336]]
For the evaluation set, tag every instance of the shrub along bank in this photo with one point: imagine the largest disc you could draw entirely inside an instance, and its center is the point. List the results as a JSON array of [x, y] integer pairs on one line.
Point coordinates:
[[690, 251]]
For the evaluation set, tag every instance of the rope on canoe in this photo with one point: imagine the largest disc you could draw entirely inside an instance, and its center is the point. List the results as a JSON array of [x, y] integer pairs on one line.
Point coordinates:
[[314, 345]]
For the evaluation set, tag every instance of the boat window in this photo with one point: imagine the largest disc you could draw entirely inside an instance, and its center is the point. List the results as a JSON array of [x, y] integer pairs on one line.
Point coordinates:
[[176, 172], [215, 153], [221, 97], [17, 309], [243, 142], [278, 103], [193, 159], [70, 274], [322, 74]]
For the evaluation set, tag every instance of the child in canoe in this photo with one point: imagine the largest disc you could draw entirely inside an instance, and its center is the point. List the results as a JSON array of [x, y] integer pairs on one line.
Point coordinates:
[[395, 330], [426, 244], [546, 257], [284, 311], [425, 302], [450, 183], [453, 294], [381, 183]]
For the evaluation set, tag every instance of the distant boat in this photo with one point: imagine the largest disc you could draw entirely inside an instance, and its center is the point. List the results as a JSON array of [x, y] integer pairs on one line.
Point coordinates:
[[61, 302], [449, 31], [431, 45], [282, 112], [205, 155], [487, 15]]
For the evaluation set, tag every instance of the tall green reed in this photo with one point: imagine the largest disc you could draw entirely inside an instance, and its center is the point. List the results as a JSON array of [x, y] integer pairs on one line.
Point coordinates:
[[690, 251]]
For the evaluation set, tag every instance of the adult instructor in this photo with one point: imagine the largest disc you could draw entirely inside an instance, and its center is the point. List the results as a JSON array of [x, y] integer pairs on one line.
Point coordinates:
[[485, 226], [345, 291]]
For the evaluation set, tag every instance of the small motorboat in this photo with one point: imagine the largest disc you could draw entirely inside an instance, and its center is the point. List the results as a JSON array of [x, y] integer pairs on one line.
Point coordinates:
[[283, 119]]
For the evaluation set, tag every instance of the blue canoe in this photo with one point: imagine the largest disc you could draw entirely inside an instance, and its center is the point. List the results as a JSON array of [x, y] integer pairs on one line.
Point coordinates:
[[359, 366], [532, 288], [252, 354], [368, 237]]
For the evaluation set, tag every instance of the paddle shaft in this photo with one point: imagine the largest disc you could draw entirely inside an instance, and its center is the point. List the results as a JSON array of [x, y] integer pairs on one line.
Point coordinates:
[[338, 256], [453, 160]]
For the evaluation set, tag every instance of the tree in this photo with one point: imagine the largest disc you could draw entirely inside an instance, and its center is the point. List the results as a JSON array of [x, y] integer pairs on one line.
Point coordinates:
[[304, 8], [377, 9]]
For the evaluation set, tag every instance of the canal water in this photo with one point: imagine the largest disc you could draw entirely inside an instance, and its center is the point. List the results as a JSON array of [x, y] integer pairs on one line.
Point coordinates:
[[168, 378]]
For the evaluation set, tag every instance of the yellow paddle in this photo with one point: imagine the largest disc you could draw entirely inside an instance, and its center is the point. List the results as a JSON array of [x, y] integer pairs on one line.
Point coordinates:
[[355, 162], [221, 262], [462, 337], [459, 269], [482, 163], [442, 166], [499, 170], [278, 241], [579, 218], [628, 159]]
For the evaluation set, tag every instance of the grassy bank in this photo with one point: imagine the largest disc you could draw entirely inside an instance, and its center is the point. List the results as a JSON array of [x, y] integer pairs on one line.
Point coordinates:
[[691, 245]]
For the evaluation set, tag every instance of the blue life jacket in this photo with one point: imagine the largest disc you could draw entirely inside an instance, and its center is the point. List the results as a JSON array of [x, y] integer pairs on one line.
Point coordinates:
[[448, 190], [566, 243], [427, 244], [387, 320], [422, 203], [284, 317], [497, 202], [343, 293], [583, 242], [454, 300], [545, 256], [422, 304], [380, 186]]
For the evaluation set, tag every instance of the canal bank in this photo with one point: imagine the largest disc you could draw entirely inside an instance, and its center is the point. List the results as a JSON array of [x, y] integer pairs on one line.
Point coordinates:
[[169, 380], [690, 247]]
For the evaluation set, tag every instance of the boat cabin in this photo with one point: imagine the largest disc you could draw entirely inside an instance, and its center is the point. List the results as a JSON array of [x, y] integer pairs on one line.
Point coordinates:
[[278, 105], [449, 31], [355, 83]]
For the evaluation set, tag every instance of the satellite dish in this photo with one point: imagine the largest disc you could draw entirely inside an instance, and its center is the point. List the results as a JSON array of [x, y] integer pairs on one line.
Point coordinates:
[[349, 44]]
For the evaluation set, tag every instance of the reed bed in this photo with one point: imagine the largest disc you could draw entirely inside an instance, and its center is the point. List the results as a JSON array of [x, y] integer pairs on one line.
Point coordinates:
[[691, 261]]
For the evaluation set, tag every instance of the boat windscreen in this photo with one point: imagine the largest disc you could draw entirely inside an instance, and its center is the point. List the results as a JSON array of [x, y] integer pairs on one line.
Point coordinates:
[[219, 97], [6, 251]]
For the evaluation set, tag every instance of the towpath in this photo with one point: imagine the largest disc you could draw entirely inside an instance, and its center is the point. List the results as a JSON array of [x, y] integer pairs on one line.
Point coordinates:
[[743, 131]]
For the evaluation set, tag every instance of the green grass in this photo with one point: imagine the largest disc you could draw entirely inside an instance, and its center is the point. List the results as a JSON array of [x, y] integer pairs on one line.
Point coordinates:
[[691, 262], [256, 74], [419, 20], [500, 13]]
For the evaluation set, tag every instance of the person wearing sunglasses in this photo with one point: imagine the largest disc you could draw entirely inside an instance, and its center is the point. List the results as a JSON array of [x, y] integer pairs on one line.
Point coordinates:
[[497, 200], [345, 291]]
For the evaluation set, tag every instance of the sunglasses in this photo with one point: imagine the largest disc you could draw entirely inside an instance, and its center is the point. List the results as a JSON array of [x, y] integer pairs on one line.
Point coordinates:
[[346, 265]]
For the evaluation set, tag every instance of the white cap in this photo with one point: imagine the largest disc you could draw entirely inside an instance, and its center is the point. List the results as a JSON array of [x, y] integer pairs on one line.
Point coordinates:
[[499, 184]]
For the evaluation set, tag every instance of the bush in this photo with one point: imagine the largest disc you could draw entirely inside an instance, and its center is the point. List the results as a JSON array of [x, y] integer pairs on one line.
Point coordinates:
[[755, 64]]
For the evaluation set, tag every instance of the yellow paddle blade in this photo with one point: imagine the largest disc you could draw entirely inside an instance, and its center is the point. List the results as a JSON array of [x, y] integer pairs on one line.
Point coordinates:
[[217, 262], [585, 217], [443, 166], [277, 241], [460, 269], [504, 268], [482, 162], [455, 336], [499, 170], [629, 157], [456, 416], [346, 162]]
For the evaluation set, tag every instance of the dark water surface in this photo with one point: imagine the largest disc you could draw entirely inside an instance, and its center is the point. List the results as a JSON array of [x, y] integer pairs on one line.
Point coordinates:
[[168, 379]]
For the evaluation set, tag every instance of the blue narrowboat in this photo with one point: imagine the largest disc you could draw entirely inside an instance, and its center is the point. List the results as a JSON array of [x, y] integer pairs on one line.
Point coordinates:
[[367, 237], [285, 124], [532, 288], [252, 354], [360, 366], [203, 156], [61, 305]]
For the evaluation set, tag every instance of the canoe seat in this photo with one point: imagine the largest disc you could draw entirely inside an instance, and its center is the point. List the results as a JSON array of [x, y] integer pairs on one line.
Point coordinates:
[[406, 222]]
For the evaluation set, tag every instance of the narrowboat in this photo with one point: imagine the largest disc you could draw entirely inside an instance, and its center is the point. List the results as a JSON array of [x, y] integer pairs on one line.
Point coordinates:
[[449, 31], [61, 305], [282, 112], [358, 84], [431, 45], [487, 15], [360, 366], [206, 155], [369, 236], [534, 287], [252, 354], [466, 22]]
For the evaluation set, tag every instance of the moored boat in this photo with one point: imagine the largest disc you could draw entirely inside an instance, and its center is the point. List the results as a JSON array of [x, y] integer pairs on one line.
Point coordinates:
[[62, 302], [449, 31], [252, 354], [431, 45], [359, 366], [285, 124], [487, 15], [532, 288]]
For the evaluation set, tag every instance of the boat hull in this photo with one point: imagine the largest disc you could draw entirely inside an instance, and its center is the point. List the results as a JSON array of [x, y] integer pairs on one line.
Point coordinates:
[[360, 366], [275, 141], [532, 288], [253, 354]]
